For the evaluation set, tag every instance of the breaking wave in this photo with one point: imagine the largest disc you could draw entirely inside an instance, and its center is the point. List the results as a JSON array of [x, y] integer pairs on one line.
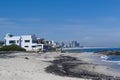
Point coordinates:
[[111, 59]]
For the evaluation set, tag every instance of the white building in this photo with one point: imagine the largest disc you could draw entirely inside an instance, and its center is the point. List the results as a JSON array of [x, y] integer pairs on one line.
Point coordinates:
[[54, 45], [29, 42]]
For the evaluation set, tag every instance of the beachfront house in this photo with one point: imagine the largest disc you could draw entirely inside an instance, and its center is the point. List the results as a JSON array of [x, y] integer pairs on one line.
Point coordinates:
[[28, 42]]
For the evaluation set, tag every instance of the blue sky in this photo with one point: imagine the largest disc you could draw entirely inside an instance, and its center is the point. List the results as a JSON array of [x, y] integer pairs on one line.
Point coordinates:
[[91, 22]]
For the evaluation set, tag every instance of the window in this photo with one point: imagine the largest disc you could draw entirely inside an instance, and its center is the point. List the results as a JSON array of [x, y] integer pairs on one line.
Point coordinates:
[[12, 41], [26, 46], [27, 41], [33, 46], [17, 41]]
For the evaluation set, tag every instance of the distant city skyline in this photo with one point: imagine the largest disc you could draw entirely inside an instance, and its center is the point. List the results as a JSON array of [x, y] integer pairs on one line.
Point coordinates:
[[90, 22]]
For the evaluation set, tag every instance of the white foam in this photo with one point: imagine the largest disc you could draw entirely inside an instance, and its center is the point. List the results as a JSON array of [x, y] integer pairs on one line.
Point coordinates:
[[104, 57], [111, 61]]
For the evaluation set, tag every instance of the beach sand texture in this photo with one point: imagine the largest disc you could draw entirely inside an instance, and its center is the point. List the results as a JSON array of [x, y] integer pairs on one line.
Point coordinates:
[[31, 66], [17, 67]]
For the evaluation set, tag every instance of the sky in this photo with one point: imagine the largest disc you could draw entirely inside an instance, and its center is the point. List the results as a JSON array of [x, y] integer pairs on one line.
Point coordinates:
[[90, 22]]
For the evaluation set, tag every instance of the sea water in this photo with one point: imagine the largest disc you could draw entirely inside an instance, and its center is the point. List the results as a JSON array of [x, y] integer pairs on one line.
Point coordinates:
[[110, 59], [89, 49]]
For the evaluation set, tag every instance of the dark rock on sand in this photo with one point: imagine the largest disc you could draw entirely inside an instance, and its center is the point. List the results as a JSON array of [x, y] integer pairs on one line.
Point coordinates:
[[63, 64], [26, 58], [109, 52]]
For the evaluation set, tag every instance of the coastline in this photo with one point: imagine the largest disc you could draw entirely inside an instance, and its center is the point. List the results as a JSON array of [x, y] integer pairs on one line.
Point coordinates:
[[85, 48], [83, 65], [33, 66]]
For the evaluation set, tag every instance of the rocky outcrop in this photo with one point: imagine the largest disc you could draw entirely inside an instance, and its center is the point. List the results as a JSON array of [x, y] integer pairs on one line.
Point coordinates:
[[108, 52]]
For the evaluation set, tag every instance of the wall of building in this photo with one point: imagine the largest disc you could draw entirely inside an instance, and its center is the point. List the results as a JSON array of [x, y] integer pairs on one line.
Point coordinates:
[[29, 42]]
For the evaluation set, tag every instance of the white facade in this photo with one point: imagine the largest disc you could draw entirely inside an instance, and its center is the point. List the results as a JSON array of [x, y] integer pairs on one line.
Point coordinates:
[[53, 44], [27, 42]]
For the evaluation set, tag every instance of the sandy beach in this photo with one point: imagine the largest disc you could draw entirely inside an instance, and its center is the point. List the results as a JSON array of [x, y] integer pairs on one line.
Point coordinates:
[[32, 66]]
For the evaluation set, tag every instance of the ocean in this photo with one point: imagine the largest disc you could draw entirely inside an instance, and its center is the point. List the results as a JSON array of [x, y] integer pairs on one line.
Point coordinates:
[[107, 59], [78, 50]]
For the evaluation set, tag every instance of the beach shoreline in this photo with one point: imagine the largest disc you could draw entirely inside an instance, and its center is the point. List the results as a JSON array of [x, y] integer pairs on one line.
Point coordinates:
[[36, 66]]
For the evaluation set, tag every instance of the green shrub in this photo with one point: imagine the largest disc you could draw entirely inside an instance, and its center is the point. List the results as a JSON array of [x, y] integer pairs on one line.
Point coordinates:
[[12, 47]]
